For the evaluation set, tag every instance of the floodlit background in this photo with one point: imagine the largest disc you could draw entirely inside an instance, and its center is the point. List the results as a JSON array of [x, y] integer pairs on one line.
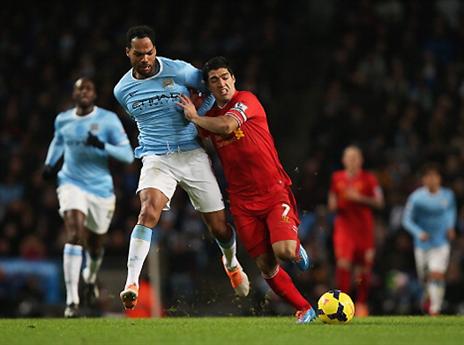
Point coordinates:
[[386, 75]]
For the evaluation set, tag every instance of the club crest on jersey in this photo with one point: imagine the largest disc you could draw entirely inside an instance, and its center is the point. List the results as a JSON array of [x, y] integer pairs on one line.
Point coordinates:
[[168, 83], [94, 127]]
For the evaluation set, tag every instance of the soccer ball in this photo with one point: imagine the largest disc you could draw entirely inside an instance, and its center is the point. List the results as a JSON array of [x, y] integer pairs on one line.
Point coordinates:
[[335, 307]]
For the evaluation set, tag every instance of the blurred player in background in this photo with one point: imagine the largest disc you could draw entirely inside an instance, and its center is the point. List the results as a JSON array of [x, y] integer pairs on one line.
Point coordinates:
[[171, 155], [353, 194], [261, 200], [85, 136], [430, 217]]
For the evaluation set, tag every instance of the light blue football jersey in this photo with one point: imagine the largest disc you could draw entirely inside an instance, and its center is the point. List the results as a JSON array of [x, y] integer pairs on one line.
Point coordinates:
[[151, 102], [87, 166], [433, 213]]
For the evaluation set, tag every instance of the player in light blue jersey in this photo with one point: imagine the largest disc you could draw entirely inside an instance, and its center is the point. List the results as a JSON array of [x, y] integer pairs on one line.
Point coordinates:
[[171, 155], [430, 217], [86, 136]]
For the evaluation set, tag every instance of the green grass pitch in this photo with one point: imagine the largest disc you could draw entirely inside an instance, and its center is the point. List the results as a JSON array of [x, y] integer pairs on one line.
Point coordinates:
[[412, 330]]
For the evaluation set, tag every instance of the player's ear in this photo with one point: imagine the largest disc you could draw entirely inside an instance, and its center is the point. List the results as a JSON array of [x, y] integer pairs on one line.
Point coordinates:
[[127, 51]]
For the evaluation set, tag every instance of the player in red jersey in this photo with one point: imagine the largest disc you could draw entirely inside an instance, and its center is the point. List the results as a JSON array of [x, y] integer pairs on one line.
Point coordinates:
[[353, 194], [261, 201]]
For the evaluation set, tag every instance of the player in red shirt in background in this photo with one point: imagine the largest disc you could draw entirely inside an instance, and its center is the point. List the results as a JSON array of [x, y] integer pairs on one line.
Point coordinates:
[[261, 201], [353, 194]]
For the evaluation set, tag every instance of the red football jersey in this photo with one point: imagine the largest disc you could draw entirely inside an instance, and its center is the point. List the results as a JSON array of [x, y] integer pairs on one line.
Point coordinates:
[[248, 156], [353, 216]]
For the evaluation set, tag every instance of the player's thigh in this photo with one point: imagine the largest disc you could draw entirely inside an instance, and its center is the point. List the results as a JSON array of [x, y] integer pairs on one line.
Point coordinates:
[[199, 182], [101, 211], [344, 244], [438, 259], [253, 234], [71, 197], [156, 173]]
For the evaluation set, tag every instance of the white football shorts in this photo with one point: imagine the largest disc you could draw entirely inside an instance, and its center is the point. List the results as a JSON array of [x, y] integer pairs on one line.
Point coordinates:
[[191, 170], [435, 259], [98, 211]]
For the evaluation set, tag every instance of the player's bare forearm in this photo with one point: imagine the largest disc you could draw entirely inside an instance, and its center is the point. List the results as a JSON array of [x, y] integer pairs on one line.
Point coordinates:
[[332, 202], [218, 125], [373, 202]]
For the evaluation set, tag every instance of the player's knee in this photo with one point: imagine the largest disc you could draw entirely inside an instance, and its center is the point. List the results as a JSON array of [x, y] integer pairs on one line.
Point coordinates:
[[285, 253], [436, 276], [344, 264], [285, 250], [149, 215], [73, 231]]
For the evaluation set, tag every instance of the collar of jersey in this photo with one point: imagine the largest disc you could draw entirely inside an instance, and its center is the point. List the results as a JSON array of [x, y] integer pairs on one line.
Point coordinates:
[[91, 114], [153, 76]]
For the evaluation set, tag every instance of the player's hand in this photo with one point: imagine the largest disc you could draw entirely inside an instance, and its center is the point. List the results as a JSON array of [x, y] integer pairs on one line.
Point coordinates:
[[196, 98], [424, 236], [92, 140], [451, 234], [189, 108], [353, 195], [48, 172]]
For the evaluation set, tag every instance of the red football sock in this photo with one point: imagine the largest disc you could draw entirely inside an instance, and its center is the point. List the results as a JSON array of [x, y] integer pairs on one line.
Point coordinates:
[[363, 287], [283, 286], [343, 279]]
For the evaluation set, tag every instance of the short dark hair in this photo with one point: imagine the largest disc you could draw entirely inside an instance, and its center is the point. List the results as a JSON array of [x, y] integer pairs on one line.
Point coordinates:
[[139, 31], [431, 167], [215, 63]]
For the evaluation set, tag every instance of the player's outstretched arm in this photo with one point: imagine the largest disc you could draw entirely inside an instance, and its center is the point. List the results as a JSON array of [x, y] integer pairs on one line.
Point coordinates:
[[332, 202], [218, 125], [122, 153], [55, 152], [408, 221]]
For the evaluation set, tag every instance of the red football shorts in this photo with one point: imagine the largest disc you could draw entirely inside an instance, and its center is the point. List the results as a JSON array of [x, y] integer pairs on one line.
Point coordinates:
[[351, 244], [264, 221]]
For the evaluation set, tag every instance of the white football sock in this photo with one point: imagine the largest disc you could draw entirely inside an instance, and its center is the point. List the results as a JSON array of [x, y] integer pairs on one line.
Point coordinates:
[[139, 247], [229, 250], [436, 290], [72, 261], [92, 266]]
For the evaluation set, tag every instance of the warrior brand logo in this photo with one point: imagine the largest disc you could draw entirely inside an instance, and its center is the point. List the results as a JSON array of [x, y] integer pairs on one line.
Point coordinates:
[[94, 128]]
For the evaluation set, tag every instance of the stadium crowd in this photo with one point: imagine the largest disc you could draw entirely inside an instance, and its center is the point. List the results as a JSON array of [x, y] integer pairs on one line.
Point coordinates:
[[392, 77]]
